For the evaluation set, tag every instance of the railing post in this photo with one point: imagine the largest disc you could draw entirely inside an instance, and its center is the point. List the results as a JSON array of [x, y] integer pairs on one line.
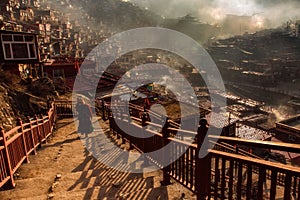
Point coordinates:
[[52, 116], [112, 125], [144, 119], [236, 163], [19, 123], [130, 137], [103, 110], [166, 154], [203, 165], [43, 128], [31, 134], [7, 159], [38, 130], [123, 132]]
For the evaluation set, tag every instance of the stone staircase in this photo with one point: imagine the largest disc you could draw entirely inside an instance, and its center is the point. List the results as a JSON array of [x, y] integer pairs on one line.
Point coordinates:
[[64, 169]]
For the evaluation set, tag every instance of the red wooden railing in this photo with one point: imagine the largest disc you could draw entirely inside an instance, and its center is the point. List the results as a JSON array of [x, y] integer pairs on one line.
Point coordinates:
[[19, 142], [224, 173], [64, 108]]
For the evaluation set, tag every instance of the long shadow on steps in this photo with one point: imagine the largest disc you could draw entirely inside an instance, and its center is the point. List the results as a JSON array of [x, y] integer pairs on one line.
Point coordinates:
[[100, 181]]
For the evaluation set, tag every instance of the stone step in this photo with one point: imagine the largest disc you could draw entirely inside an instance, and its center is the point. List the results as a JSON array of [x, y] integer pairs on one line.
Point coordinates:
[[82, 180], [109, 193], [103, 186], [149, 194], [133, 189], [123, 181], [162, 192]]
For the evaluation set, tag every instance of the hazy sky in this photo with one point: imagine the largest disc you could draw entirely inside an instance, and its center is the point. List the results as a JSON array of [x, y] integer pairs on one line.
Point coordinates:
[[276, 11]]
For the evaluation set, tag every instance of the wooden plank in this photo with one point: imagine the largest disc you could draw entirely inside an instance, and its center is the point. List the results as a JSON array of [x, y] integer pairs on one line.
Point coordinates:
[[261, 180], [295, 171], [4, 181], [180, 163], [239, 181], [294, 186], [287, 187], [223, 181], [172, 158], [216, 184], [187, 167], [176, 162], [289, 147], [230, 184], [273, 185], [14, 138], [192, 161], [249, 181], [298, 198]]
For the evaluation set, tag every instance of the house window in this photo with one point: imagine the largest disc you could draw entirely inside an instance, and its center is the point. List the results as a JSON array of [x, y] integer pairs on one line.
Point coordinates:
[[31, 51], [19, 47], [19, 50], [18, 38], [7, 38], [7, 50]]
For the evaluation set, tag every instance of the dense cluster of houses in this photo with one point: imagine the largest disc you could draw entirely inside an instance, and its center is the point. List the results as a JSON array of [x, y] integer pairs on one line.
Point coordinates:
[[36, 35], [59, 33]]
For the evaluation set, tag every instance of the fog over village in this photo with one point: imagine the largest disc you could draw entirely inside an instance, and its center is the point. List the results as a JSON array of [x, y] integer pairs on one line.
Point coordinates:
[[148, 99]]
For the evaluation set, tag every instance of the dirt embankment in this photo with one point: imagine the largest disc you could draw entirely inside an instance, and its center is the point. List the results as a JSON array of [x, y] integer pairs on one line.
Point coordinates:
[[20, 98]]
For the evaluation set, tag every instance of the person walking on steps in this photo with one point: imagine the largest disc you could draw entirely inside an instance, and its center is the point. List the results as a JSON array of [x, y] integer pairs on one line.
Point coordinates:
[[84, 117]]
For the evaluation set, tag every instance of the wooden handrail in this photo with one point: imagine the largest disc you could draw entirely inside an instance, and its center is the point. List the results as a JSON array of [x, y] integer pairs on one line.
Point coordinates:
[[21, 141], [288, 147], [184, 169], [12, 131], [295, 148], [295, 171]]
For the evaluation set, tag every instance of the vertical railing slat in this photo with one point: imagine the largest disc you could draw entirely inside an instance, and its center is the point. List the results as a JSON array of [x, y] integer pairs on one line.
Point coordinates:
[[273, 185], [298, 198], [216, 184], [7, 158], [294, 186], [287, 187], [31, 134], [239, 181], [230, 184], [19, 123], [249, 181], [261, 180], [223, 181]]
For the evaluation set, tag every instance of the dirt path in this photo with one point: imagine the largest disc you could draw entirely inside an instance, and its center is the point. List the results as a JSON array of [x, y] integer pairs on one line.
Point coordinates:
[[64, 169]]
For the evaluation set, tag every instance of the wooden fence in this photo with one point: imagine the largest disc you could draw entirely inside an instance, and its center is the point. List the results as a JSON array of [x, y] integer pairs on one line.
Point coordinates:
[[221, 174], [64, 108], [19, 142]]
